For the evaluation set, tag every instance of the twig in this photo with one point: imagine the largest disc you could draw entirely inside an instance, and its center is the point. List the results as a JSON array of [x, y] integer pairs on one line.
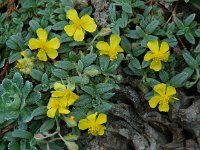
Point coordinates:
[[5, 69]]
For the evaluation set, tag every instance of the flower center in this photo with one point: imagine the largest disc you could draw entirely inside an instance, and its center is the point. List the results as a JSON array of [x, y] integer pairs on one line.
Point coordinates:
[[165, 100], [94, 129], [158, 56]]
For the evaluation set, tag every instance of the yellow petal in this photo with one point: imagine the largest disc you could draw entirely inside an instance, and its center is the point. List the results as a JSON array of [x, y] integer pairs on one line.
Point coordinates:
[[101, 130], [103, 46], [102, 118], [62, 110], [52, 103], [160, 88], [164, 108], [59, 87], [92, 117], [164, 47], [83, 124], [148, 56], [57, 94], [52, 53], [88, 24], [114, 41], [153, 102], [166, 56], [79, 35], [170, 91], [119, 49], [34, 44], [72, 98], [42, 55], [42, 34], [53, 43], [72, 15], [153, 46], [70, 29], [51, 112], [156, 65]]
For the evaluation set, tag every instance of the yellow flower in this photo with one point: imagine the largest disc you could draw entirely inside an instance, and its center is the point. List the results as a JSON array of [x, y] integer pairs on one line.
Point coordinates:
[[25, 64], [60, 99], [45, 47], [163, 96], [79, 25], [157, 54], [111, 50], [93, 124]]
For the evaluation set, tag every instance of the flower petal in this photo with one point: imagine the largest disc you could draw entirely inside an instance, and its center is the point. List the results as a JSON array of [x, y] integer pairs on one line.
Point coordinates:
[[153, 46], [114, 41], [148, 56], [92, 117], [52, 53], [164, 107], [42, 34], [63, 110], [72, 98], [101, 130], [59, 87], [88, 24], [103, 47], [83, 124], [79, 35], [164, 47], [170, 91], [102, 118], [153, 102], [52, 103], [52, 112], [160, 88], [70, 29], [166, 56], [119, 49], [72, 15], [42, 55], [34, 44], [156, 65], [53, 43]]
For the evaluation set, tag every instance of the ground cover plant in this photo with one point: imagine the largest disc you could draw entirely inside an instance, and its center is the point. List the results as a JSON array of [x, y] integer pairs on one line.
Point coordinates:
[[76, 72]]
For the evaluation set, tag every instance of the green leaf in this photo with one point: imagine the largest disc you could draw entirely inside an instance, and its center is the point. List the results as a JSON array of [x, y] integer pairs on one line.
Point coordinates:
[[47, 125], [127, 7], [195, 3], [104, 62], [190, 37], [104, 87], [135, 63], [88, 59], [189, 19], [59, 25], [152, 26], [179, 23], [83, 100], [45, 79], [126, 44], [180, 79], [22, 134], [164, 76], [190, 60], [14, 56], [71, 145], [140, 32], [34, 25], [88, 90], [197, 32], [26, 115], [65, 65], [17, 78], [152, 82], [41, 110], [59, 73], [105, 107], [36, 74]]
